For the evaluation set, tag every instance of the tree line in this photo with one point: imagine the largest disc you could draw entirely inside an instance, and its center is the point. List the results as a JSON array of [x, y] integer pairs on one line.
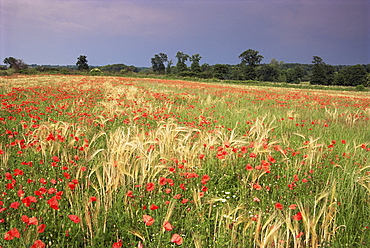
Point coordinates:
[[249, 68]]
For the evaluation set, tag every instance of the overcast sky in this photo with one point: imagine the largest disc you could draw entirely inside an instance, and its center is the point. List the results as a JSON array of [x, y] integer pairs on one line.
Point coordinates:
[[131, 32]]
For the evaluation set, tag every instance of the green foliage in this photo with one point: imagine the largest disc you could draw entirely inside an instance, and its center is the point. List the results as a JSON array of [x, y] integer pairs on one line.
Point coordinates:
[[16, 64], [158, 63], [221, 71], [251, 57], [360, 87], [82, 63], [267, 73], [352, 76], [322, 73], [195, 66], [181, 59]]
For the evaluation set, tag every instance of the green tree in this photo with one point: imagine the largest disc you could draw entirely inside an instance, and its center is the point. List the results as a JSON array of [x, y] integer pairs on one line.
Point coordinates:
[[169, 68], [158, 63], [16, 64], [82, 63], [267, 73], [321, 73], [195, 66], [251, 57], [181, 59], [221, 71], [249, 60], [353, 76]]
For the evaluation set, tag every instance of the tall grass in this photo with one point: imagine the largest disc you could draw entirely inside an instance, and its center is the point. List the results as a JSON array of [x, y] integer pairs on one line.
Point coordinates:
[[220, 165]]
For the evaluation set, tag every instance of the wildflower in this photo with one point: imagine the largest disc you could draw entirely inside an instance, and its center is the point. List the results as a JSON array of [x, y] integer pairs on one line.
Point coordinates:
[[74, 218], [298, 216], [148, 220], [150, 187], [55, 159], [153, 207], [41, 228], [167, 226], [293, 206], [129, 194], [182, 186], [177, 239], [299, 235], [14, 205], [28, 200], [38, 244], [14, 233], [205, 179], [162, 181], [117, 244], [279, 206]]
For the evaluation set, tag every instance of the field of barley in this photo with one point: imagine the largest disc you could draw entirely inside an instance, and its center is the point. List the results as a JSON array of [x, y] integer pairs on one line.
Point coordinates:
[[127, 162]]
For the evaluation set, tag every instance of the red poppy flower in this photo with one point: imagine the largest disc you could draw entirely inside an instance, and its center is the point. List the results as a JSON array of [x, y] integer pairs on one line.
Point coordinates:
[[293, 206], [298, 216], [14, 205], [182, 186], [167, 226], [38, 244], [150, 187], [74, 218], [177, 239], [53, 203], [278, 206], [299, 235], [25, 219], [14, 233], [153, 207], [148, 220], [55, 159], [205, 179], [129, 194], [28, 200], [162, 181], [117, 244], [41, 228]]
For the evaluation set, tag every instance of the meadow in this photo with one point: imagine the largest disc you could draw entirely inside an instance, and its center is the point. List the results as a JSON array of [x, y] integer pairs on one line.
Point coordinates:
[[131, 162]]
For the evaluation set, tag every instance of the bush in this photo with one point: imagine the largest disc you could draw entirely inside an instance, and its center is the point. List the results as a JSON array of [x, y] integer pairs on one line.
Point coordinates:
[[360, 87]]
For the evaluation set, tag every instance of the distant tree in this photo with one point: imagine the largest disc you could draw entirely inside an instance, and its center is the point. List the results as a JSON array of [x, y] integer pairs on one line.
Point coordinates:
[[169, 68], [221, 71], [352, 76], [113, 68], [251, 57], [181, 59], [298, 72], [274, 62], [195, 66], [82, 63], [294, 75], [267, 73], [16, 64], [249, 60], [321, 73], [158, 63]]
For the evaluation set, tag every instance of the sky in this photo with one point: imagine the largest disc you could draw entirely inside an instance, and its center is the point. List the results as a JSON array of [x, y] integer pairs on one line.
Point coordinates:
[[133, 31]]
